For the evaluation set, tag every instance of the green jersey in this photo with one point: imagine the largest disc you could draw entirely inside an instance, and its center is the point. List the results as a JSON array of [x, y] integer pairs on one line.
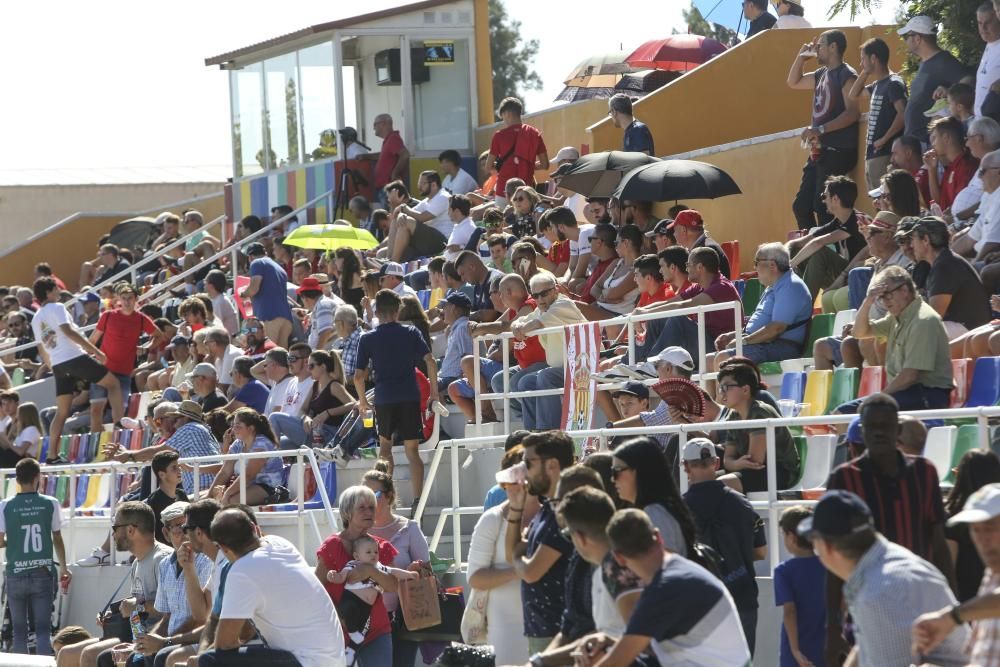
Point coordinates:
[[28, 521]]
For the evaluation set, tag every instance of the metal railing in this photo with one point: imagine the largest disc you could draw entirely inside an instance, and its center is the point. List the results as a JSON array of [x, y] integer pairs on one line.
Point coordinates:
[[628, 320]]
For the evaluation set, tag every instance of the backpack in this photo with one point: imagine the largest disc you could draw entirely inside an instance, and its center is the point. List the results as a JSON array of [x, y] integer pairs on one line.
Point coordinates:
[[724, 540]]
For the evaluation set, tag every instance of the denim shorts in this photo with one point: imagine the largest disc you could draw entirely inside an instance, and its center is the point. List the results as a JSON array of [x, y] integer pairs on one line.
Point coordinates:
[[487, 369]]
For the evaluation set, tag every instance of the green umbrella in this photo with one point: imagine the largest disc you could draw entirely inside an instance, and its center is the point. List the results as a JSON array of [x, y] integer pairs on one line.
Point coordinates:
[[331, 237]]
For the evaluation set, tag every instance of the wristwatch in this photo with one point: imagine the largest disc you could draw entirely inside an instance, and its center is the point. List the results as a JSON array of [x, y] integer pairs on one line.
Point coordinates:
[[953, 612], [536, 660], [821, 129]]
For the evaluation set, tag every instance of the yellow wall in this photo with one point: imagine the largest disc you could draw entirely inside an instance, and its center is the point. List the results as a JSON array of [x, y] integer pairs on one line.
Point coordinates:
[[66, 246], [739, 94], [484, 63]]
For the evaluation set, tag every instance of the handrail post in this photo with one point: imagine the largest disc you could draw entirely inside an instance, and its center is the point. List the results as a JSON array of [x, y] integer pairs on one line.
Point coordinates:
[[773, 537], [738, 326], [701, 350], [234, 264], [475, 382], [984, 430], [300, 475], [196, 483], [456, 502], [242, 467], [682, 475], [506, 384], [631, 341]]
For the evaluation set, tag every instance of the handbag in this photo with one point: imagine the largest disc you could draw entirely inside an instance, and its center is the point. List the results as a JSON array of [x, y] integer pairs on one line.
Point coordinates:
[[114, 625], [474, 621], [428, 613]]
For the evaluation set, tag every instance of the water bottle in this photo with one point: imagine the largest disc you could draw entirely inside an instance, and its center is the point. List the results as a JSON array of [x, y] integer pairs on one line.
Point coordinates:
[[135, 618]]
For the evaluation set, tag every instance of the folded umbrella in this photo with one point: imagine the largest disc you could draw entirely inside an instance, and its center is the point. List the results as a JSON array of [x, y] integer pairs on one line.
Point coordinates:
[[577, 93], [331, 237], [598, 174], [645, 81], [612, 62], [670, 180]]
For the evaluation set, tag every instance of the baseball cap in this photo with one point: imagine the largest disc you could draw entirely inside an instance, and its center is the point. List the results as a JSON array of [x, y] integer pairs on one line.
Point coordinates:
[[675, 356], [204, 369], [662, 227], [837, 514], [348, 133], [885, 220], [178, 340], [982, 505], [566, 154], [460, 299], [391, 269], [563, 169], [173, 511], [309, 284], [920, 24], [905, 227], [688, 218], [633, 388], [939, 108], [700, 449], [876, 193], [89, 297], [255, 250], [854, 434]]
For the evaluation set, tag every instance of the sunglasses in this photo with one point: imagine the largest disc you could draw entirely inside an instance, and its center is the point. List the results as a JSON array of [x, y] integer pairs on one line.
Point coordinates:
[[116, 526], [539, 295], [247, 330], [188, 528], [292, 359], [617, 470]]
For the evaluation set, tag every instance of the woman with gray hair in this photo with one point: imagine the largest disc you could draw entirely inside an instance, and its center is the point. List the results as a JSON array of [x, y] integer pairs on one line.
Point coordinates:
[[357, 507]]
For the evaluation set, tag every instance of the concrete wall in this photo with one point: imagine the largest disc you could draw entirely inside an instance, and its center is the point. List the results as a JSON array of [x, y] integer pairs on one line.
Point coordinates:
[[26, 210]]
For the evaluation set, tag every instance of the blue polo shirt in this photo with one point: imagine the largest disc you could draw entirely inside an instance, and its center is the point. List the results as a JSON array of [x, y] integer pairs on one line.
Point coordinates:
[[787, 301], [393, 350], [638, 138], [544, 600], [271, 300], [254, 394]]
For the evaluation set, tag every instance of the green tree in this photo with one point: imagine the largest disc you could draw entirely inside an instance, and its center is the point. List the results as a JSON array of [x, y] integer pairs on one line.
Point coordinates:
[[512, 57], [292, 120], [697, 25]]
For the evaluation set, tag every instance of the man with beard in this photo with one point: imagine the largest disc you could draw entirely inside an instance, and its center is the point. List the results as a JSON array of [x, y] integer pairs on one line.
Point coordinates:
[[422, 230]]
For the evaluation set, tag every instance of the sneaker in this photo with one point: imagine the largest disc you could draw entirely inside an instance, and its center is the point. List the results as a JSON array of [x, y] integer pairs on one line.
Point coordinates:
[[340, 456], [97, 558], [615, 374]]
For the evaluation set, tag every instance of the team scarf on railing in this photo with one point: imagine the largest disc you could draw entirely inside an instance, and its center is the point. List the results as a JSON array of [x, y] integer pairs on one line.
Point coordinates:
[[583, 346]]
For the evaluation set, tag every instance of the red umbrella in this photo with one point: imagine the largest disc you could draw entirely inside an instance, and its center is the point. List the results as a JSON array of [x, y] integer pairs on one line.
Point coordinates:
[[677, 53]]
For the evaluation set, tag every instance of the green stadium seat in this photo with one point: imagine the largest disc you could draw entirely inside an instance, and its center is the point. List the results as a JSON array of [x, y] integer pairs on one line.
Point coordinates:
[[844, 387], [751, 295], [967, 439], [821, 326]]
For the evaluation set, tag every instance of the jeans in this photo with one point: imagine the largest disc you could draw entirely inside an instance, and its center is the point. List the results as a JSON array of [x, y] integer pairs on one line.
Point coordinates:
[[748, 619], [31, 593], [544, 412], [808, 206], [376, 653], [858, 280], [516, 373], [914, 397], [682, 331], [777, 350], [248, 655], [404, 652], [290, 432]]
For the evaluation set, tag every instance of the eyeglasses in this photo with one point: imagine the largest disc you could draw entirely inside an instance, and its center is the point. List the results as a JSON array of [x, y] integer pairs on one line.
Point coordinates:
[[723, 388], [116, 526], [174, 529], [293, 359], [539, 295], [246, 330], [757, 262], [617, 470], [881, 297]]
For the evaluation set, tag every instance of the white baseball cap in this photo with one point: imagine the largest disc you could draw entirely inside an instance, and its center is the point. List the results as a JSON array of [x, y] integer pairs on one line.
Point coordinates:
[[982, 505], [566, 154], [922, 25], [675, 356], [392, 269], [700, 449]]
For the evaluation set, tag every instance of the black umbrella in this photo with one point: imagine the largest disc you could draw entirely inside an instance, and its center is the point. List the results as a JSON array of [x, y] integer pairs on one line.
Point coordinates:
[[670, 180], [598, 174]]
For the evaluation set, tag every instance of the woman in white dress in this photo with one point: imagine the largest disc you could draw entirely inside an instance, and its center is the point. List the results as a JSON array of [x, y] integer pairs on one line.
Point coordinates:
[[489, 571]]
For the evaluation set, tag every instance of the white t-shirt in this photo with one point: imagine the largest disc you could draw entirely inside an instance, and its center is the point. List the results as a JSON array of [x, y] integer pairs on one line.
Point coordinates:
[[789, 21], [576, 203], [34, 436], [354, 151], [275, 588], [607, 618], [987, 226], [279, 392], [986, 74], [438, 207], [46, 325], [402, 289], [225, 312], [297, 395], [213, 580], [224, 366], [582, 245], [968, 196], [460, 235], [461, 184]]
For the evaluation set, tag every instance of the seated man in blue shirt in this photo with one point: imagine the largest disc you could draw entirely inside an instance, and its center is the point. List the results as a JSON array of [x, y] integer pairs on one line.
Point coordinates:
[[777, 328], [456, 307], [249, 392]]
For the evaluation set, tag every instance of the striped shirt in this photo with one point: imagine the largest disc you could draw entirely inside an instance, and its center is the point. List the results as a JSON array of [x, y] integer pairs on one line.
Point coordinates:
[[171, 594], [983, 648], [905, 507], [194, 439]]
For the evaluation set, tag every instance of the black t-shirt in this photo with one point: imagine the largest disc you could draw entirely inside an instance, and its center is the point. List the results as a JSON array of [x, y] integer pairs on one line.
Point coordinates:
[[882, 112], [578, 617], [721, 514], [763, 22], [211, 402], [951, 274], [118, 267], [159, 501], [850, 246], [828, 103], [969, 566], [941, 69]]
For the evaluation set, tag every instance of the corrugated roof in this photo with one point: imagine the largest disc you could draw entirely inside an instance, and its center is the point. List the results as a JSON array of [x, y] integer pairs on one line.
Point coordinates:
[[323, 27], [116, 175]]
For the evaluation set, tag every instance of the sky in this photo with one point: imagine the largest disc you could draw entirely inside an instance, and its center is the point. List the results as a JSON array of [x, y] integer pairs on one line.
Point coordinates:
[[113, 84]]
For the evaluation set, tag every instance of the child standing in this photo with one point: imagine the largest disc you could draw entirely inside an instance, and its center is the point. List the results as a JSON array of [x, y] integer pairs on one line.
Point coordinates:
[[799, 585], [355, 606]]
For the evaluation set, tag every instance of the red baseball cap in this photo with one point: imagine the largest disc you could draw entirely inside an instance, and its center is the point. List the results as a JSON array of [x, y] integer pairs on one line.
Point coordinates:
[[688, 218], [309, 284]]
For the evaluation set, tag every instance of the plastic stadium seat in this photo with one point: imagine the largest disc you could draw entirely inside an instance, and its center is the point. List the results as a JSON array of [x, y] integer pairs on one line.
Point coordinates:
[[817, 393], [821, 326], [328, 471], [44, 455], [961, 370], [17, 377], [793, 386], [819, 452], [841, 319], [844, 387], [82, 484], [132, 409], [985, 388], [751, 295], [967, 439], [732, 252], [740, 285], [872, 381], [938, 448]]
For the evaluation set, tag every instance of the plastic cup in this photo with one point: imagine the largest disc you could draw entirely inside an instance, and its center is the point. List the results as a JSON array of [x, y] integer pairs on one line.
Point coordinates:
[[786, 407], [801, 408], [368, 419], [121, 654]]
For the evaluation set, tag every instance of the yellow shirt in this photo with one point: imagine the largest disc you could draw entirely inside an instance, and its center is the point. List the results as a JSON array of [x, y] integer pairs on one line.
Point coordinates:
[[560, 313]]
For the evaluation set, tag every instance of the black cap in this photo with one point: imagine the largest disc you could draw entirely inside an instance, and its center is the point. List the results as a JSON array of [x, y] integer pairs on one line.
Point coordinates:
[[837, 514], [662, 227], [634, 388], [255, 250]]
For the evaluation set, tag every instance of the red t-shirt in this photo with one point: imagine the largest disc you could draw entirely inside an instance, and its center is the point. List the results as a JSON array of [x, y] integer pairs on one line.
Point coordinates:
[[335, 557], [559, 253], [598, 271], [528, 351], [920, 176], [527, 143], [721, 290], [665, 292], [392, 146], [261, 349], [956, 176], [121, 337]]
